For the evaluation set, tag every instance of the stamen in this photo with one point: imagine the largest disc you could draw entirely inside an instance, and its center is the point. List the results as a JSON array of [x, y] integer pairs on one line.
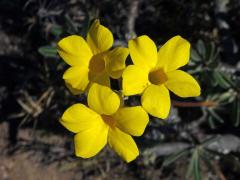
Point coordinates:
[[109, 120], [97, 64], [157, 77]]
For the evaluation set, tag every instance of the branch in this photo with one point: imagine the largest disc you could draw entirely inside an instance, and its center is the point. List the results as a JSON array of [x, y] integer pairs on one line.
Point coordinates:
[[130, 24], [194, 104]]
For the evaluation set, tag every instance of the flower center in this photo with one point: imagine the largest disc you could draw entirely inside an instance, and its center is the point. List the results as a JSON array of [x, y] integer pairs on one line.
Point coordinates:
[[97, 64], [109, 120], [157, 77]]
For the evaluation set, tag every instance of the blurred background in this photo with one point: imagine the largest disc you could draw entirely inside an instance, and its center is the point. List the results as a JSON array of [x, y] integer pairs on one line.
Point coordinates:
[[199, 140]]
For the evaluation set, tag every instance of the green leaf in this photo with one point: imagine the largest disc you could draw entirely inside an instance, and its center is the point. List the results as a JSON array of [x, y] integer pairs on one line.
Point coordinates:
[[206, 157], [237, 112], [213, 97], [221, 80], [201, 49], [211, 122], [215, 115], [71, 25], [172, 158], [85, 25], [213, 55], [227, 97], [197, 174], [193, 167], [210, 140], [190, 166], [195, 56], [57, 30], [209, 51], [48, 51]]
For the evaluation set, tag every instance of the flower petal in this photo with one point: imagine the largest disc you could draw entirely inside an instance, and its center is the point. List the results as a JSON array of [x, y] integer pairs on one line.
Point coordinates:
[[156, 101], [76, 77], [103, 100], [135, 80], [78, 117], [74, 50], [72, 90], [174, 54], [143, 51], [99, 37], [115, 61], [131, 120], [182, 84], [123, 144], [89, 142]]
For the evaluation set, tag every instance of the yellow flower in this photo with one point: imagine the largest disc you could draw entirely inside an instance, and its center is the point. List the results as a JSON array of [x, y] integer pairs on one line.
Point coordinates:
[[155, 73], [91, 60], [105, 121]]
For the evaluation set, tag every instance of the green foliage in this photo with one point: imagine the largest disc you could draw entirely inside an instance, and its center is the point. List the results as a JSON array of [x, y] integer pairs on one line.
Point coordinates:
[[198, 153], [204, 57], [57, 30], [48, 51], [174, 157], [193, 167], [236, 111], [219, 84]]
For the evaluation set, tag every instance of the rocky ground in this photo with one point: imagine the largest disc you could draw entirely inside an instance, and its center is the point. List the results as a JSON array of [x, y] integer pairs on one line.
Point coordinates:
[[16, 164]]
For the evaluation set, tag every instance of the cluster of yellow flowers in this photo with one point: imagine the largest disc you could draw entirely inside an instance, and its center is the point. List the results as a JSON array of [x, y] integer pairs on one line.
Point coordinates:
[[105, 119]]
